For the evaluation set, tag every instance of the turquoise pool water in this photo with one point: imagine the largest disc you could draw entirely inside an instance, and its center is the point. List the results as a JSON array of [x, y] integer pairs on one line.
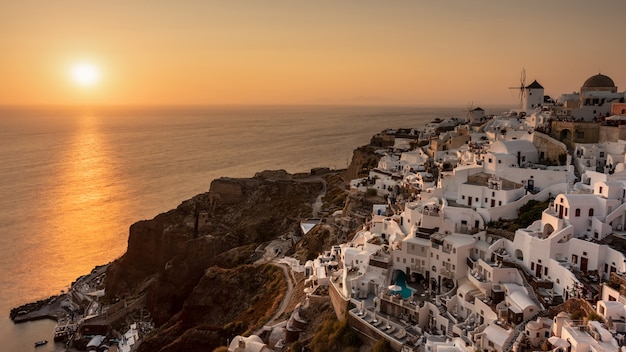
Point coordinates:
[[401, 281]]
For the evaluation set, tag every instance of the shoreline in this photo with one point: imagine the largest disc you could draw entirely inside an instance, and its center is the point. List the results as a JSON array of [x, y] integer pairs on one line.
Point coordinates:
[[54, 307], [49, 308]]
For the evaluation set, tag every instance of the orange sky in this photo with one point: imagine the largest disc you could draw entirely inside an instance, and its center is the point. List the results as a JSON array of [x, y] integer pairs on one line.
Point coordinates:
[[303, 52]]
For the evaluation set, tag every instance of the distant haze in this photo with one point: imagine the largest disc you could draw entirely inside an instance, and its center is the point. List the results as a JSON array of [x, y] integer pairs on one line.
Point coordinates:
[[305, 52]]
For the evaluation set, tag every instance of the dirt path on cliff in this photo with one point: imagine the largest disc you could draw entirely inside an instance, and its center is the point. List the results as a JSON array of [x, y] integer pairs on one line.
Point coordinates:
[[286, 298], [317, 204]]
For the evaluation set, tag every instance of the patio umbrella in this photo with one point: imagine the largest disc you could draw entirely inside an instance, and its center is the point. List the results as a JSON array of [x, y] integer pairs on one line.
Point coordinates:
[[558, 342], [395, 288]]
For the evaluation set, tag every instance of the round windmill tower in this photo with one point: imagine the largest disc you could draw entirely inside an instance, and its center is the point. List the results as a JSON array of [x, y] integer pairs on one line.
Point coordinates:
[[474, 115], [530, 96], [533, 97]]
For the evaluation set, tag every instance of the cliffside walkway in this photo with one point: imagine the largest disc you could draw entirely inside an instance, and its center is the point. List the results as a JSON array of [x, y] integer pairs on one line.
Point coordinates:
[[286, 299]]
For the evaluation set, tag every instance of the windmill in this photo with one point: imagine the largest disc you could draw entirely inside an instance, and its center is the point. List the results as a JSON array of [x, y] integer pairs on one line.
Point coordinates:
[[468, 111], [521, 87]]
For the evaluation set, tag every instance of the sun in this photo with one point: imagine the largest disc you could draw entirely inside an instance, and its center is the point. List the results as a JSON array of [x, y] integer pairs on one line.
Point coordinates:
[[85, 74]]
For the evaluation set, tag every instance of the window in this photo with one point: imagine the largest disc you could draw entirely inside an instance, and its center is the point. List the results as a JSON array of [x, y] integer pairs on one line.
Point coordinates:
[[574, 259], [412, 260], [398, 259], [499, 161], [600, 189], [602, 154], [591, 212], [532, 265], [493, 194], [566, 211], [490, 160], [545, 270], [499, 203], [580, 134], [404, 260], [577, 213], [463, 197], [485, 200]]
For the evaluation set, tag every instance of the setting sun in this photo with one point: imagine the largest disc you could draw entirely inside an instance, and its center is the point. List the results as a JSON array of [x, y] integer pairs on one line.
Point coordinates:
[[85, 74]]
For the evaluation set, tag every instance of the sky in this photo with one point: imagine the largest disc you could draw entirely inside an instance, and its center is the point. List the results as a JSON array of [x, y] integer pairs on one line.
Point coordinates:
[[158, 52]]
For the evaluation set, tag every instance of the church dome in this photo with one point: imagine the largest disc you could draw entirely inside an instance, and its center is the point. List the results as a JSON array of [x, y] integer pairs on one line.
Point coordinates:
[[599, 81], [534, 325]]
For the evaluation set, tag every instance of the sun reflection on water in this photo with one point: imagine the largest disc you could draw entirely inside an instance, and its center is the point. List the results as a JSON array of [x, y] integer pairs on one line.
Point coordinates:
[[82, 227]]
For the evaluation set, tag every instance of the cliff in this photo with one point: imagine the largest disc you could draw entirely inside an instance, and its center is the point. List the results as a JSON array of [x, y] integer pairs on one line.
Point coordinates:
[[193, 262], [364, 158]]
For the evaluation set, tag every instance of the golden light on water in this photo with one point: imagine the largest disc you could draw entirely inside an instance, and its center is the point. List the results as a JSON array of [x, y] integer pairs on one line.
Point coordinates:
[[83, 227]]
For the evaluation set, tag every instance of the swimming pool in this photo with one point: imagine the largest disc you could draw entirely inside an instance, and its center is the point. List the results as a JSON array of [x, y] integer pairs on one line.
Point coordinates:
[[400, 280]]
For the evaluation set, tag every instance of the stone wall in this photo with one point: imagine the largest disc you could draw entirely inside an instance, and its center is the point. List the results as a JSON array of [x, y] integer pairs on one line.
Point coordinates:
[[226, 191], [550, 147], [340, 305]]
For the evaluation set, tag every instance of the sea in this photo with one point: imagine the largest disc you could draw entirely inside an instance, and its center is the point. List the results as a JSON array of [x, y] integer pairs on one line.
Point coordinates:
[[73, 179]]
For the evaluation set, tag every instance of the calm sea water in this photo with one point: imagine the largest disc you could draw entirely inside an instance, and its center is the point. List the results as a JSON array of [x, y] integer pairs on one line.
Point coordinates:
[[72, 181]]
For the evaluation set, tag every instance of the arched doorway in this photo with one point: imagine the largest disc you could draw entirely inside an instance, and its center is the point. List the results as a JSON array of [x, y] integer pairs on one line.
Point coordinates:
[[547, 230], [565, 134]]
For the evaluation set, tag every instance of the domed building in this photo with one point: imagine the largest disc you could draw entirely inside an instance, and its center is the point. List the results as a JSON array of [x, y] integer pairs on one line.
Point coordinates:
[[599, 82], [594, 101]]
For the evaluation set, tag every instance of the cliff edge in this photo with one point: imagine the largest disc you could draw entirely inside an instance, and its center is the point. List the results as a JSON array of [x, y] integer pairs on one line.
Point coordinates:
[[193, 263]]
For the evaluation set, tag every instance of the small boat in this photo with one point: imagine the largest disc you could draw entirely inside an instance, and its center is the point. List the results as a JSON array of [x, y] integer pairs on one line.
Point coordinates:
[[41, 343]]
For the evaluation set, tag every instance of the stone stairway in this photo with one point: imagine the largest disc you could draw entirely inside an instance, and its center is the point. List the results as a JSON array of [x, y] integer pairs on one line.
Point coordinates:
[[449, 329], [441, 307], [520, 329]]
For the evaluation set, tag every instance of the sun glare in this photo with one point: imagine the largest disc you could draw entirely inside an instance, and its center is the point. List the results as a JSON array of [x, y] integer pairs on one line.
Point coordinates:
[[85, 74]]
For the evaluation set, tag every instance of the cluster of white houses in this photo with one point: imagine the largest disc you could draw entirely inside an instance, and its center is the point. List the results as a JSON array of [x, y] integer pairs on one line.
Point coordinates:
[[423, 273]]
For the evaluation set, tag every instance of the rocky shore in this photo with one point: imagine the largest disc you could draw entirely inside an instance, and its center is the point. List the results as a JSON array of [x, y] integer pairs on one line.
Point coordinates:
[[196, 269], [59, 306], [49, 308]]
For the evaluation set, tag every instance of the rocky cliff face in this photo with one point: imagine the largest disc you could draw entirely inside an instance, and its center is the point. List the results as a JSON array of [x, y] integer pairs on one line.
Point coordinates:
[[363, 159], [194, 263], [191, 261]]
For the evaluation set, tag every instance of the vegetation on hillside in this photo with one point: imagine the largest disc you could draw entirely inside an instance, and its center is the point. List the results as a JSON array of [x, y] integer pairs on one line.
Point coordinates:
[[335, 335], [526, 215]]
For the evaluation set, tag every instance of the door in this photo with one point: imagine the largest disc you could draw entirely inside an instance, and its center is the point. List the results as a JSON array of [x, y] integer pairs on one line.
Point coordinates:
[[560, 211], [469, 201], [538, 268], [583, 264]]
